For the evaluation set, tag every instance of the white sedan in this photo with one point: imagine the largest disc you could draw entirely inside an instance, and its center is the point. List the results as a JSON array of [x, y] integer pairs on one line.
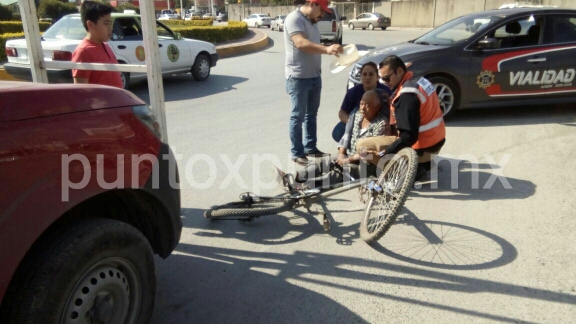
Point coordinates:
[[177, 54], [278, 23], [169, 17], [257, 20]]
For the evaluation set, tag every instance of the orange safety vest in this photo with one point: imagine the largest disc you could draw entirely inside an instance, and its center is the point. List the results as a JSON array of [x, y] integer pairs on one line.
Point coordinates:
[[432, 129]]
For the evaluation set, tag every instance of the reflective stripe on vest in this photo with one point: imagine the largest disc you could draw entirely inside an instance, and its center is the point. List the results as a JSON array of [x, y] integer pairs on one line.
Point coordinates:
[[415, 91], [430, 125]]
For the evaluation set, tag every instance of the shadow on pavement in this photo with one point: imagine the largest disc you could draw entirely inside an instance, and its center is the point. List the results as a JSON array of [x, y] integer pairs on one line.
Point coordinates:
[[466, 180], [184, 87], [526, 115], [361, 47], [444, 245], [292, 226], [225, 285]]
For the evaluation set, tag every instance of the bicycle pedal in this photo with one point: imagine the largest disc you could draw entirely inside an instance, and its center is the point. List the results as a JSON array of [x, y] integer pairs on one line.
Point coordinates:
[[374, 187], [325, 222]]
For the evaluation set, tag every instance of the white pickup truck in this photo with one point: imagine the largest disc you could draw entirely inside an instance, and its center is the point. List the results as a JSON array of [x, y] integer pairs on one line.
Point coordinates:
[[330, 27]]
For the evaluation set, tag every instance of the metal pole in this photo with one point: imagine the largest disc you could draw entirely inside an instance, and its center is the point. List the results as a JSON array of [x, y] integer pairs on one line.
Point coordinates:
[[151, 49], [32, 33]]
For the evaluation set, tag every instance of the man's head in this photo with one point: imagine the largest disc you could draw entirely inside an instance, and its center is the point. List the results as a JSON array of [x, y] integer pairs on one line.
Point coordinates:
[[370, 104], [317, 9], [97, 20], [392, 70]]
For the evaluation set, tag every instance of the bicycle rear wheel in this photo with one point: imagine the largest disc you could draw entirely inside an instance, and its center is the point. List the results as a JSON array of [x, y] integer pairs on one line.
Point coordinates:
[[395, 181], [246, 210]]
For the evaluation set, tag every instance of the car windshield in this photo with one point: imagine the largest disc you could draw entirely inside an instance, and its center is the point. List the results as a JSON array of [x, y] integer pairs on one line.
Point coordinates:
[[379, 15], [458, 30], [66, 28], [328, 17]]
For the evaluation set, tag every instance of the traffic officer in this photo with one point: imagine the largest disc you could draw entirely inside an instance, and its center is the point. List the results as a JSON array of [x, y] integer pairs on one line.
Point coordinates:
[[415, 110]]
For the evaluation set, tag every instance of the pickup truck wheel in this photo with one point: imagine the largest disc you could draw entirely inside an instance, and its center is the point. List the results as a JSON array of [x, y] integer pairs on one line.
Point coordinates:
[[271, 28], [351, 26], [370, 26], [201, 68], [340, 40], [95, 271], [383, 28]]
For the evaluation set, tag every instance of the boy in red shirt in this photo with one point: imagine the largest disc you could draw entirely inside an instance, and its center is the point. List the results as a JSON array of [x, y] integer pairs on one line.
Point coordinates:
[[97, 20]]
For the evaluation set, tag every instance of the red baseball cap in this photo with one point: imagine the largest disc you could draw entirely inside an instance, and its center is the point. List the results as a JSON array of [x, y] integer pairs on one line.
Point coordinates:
[[323, 4]]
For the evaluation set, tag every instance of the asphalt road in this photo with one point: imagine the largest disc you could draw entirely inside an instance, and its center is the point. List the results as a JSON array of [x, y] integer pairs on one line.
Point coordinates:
[[491, 250]]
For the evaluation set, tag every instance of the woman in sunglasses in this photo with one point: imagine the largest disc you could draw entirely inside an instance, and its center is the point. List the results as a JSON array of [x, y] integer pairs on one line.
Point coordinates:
[[369, 79]]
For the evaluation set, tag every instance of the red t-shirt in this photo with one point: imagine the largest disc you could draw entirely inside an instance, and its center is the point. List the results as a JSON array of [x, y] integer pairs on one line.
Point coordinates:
[[90, 52]]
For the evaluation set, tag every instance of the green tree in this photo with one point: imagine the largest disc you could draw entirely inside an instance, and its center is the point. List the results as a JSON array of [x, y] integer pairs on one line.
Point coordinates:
[[56, 9], [5, 13], [127, 6]]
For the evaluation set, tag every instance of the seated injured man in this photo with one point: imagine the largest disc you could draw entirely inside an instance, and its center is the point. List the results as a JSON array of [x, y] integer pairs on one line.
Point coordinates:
[[369, 120]]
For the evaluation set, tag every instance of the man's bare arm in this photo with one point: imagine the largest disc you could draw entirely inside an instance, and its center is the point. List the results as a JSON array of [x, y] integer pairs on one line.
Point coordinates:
[[307, 46], [344, 116]]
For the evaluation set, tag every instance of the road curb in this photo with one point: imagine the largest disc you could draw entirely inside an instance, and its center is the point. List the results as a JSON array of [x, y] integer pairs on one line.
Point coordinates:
[[238, 49]]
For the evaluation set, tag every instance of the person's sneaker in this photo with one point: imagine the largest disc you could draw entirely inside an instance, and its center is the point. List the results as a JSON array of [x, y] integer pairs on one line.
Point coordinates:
[[421, 173], [316, 153], [301, 160]]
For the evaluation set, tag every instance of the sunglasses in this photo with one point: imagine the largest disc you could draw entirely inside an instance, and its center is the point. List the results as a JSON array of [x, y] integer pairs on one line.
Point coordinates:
[[386, 78]]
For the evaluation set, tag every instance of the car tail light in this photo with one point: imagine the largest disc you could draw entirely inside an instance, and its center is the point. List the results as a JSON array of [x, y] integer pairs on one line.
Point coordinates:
[[61, 56], [147, 117], [11, 51], [333, 26]]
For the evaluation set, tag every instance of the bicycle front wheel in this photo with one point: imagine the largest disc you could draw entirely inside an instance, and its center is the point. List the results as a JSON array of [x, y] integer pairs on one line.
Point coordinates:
[[382, 209], [243, 210]]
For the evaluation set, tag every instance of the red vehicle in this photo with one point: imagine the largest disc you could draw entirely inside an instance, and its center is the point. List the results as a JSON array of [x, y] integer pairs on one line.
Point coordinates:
[[89, 193]]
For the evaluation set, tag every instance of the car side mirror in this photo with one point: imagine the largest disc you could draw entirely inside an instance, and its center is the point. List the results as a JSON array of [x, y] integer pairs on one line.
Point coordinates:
[[178, 36], [343, 18], [488, 43]]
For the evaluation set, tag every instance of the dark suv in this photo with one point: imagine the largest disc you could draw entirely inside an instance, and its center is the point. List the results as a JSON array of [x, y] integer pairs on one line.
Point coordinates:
[[493, 58], [89, 193]]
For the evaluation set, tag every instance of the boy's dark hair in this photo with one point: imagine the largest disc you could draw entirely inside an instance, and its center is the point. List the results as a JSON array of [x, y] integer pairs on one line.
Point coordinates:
[[394, 62], [92, 10]]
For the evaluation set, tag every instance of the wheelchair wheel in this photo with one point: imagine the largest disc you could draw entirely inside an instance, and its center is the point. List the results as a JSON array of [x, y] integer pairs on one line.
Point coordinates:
[[246, 210], [383, 207]]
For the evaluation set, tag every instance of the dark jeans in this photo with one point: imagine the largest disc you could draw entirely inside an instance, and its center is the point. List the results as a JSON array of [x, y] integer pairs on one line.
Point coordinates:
[[324, 175], [305, 99]]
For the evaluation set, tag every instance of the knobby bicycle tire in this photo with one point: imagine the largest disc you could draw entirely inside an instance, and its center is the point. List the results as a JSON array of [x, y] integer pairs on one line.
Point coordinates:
[[243, 210], [403, 166]]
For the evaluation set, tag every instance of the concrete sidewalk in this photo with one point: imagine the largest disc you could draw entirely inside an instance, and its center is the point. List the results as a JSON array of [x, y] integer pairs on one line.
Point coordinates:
[[253, 41]]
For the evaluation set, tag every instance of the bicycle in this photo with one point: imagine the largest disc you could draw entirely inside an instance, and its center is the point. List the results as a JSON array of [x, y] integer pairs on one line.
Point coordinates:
[[385, 196]]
